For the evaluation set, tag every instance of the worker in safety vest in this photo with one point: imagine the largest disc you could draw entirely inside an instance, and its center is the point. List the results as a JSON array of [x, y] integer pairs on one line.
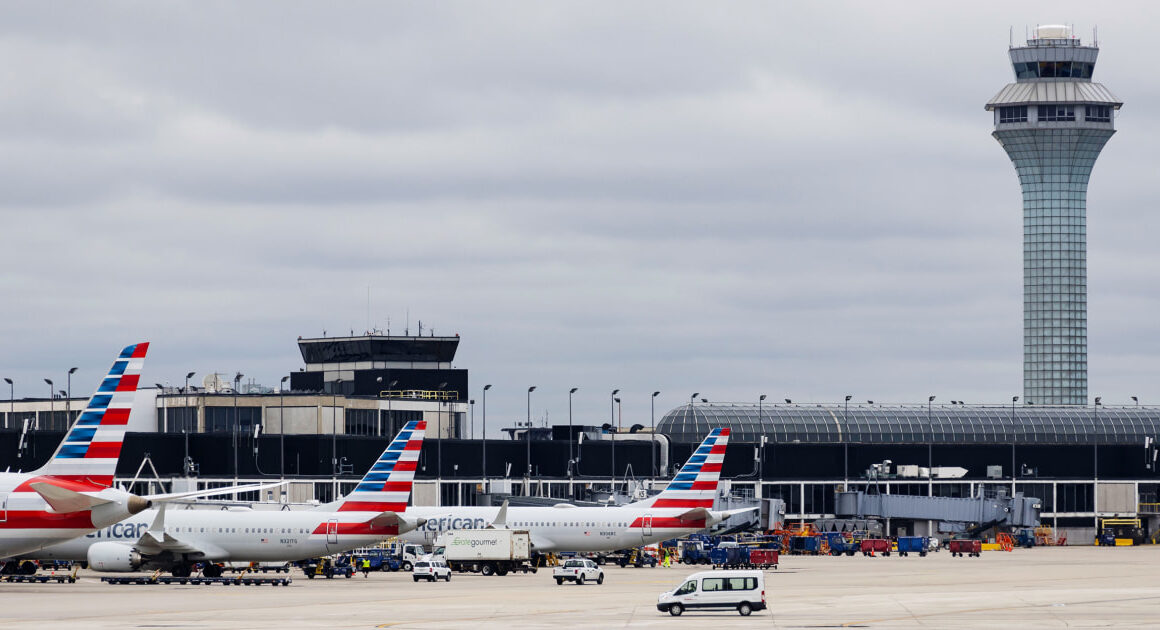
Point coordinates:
[[366, 567]]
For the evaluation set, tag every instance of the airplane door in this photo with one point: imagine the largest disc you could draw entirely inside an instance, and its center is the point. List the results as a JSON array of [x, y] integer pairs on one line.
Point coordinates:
[[646, 525], [332, 532], [3, 508]]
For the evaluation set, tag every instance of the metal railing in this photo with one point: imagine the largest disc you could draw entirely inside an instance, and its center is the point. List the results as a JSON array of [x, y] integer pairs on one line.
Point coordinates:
[[420, 394]]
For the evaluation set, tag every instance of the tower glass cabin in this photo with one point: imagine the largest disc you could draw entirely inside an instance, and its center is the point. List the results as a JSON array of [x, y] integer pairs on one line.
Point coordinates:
[[1053, 121]]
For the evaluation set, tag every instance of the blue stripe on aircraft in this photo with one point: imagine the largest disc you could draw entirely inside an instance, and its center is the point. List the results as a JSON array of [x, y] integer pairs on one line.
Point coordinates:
[[377, 476], [698, 459], [704, 450], [383, 466], [390, 456], [680, 486], [81, 435], [369, 487], [90, 418], [686, 477], [72, 451], [100, 401], [128, 351], [118, 368], [109, 384]]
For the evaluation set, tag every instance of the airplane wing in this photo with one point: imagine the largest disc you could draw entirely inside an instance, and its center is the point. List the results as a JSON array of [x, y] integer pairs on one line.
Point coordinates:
[[63, 500], [709, 516], [695, 514]]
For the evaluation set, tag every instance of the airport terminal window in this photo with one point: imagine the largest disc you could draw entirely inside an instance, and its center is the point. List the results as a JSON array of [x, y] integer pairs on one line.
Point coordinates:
[[222, 419], [1013, 114], [1054, 69], [1057, 113], [360, 421], [1098, 113]]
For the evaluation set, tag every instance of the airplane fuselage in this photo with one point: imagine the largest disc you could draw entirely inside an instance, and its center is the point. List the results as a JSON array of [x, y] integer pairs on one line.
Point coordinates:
[[27, 523], [243, 536], [560, 528]]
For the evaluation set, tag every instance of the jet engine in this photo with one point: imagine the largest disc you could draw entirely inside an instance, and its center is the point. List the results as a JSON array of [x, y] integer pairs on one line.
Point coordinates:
[[114, 557]]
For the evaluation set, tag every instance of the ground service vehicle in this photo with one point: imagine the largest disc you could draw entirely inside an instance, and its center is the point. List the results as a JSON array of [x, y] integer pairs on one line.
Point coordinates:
[[431, 570], [875, 545], [578, 571], [743, 591], [912, 544], [966, 546], [486, 551]]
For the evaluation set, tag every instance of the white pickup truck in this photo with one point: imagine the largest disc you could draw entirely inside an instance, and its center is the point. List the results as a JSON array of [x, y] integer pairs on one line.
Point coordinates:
[[578, 570]]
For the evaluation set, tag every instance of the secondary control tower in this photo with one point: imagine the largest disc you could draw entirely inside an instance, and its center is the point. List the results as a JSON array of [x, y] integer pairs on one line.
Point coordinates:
[[1053, 122]]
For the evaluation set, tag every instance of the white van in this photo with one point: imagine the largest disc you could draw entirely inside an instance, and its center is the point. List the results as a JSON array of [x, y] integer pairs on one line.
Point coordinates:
[[741, 590]]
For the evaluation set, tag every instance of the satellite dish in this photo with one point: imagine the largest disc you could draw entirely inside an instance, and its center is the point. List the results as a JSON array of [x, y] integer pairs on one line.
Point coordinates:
[[214, 383]]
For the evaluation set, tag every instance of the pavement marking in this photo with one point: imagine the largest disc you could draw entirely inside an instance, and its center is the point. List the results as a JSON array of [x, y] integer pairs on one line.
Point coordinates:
[[520, 615]]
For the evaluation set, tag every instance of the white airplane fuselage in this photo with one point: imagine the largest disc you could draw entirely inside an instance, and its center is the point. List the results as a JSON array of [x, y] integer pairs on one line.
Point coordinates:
[[562, 527], [225, 535]]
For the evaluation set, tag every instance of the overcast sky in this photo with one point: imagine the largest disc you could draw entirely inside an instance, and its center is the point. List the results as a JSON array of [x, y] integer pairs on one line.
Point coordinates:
[[795, 199]]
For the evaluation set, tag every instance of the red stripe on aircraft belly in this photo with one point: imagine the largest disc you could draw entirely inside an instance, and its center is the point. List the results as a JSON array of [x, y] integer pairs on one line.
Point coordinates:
[[665, 522], [358, 529], [104, 450], [683, 503], [32, 519], [371, 506]]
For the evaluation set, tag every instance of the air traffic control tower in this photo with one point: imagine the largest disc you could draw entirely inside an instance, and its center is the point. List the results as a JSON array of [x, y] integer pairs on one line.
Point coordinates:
[[1053, 123]]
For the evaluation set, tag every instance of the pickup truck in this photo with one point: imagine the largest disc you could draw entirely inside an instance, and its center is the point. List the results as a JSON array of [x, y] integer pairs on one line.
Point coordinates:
[[578, 571]]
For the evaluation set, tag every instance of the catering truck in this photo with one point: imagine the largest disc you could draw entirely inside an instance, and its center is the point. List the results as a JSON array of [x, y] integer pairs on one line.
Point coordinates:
[[486, 551]]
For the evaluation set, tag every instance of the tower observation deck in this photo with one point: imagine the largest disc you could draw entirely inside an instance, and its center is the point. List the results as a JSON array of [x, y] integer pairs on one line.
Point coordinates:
[[1053, 122]]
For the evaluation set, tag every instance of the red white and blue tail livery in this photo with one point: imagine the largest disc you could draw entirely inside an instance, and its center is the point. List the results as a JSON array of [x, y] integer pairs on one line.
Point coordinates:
[[387, 485], [683, 507]]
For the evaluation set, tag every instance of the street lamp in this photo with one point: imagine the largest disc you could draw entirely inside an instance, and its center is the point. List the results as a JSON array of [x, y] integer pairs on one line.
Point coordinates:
[[11, 402], [471, 424], [484, 463], [929, 448], [652, 436], [612, 429], [188, 376], [237, 381], [1095, 446], [1014, 399], [761, 451], [439, 438], [68, 398], [390, 415], [528, 436], [164, 416], [571, 437], [334, 435], [51, 403], [282, 427], [845, 446], [1136, 400]]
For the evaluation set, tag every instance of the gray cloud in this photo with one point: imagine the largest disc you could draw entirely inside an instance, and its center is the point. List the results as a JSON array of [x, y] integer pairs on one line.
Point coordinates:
[[748, 198]]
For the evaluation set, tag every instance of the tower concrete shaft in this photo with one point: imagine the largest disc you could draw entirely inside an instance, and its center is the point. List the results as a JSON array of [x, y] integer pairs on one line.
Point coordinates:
[[1053, 122]]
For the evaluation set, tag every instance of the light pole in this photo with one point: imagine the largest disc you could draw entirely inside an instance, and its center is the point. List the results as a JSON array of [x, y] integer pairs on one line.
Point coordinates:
[[282, 427], [845, 445], [1014, 399], [1095, 446], [652, 436], [439, 439], [571, 437], [68, 399], [334, 436], [237, 382], [528, 437], [188, 424], [760, 451], [612, 430], [471, 429], [1136, 400], [11, 402], [390, 415], [164, 416], [930, 454], [51, 403], [484, 440]]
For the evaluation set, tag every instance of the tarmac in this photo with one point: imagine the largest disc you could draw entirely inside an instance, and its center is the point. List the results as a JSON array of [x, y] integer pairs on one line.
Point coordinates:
[[1056, 587]]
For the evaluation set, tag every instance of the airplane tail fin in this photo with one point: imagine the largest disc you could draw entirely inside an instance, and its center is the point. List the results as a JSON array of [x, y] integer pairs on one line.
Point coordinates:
[[90, 449], [695, 485], [387, 485]]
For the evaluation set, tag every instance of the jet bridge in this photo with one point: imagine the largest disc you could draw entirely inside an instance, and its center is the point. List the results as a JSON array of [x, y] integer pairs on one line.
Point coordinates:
[[1003, 510]]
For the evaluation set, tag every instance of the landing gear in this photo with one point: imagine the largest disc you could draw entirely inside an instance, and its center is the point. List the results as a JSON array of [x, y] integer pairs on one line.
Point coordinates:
[[181, 571], [211, 571]]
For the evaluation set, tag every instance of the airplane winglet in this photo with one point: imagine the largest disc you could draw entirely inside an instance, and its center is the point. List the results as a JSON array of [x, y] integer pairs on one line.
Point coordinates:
[[500, 521], [63, 500]]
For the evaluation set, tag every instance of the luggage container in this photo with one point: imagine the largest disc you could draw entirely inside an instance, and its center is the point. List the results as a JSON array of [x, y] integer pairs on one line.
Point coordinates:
[[807, 545], [872, 545], [763, 558], [912, 544], [967, 547]]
